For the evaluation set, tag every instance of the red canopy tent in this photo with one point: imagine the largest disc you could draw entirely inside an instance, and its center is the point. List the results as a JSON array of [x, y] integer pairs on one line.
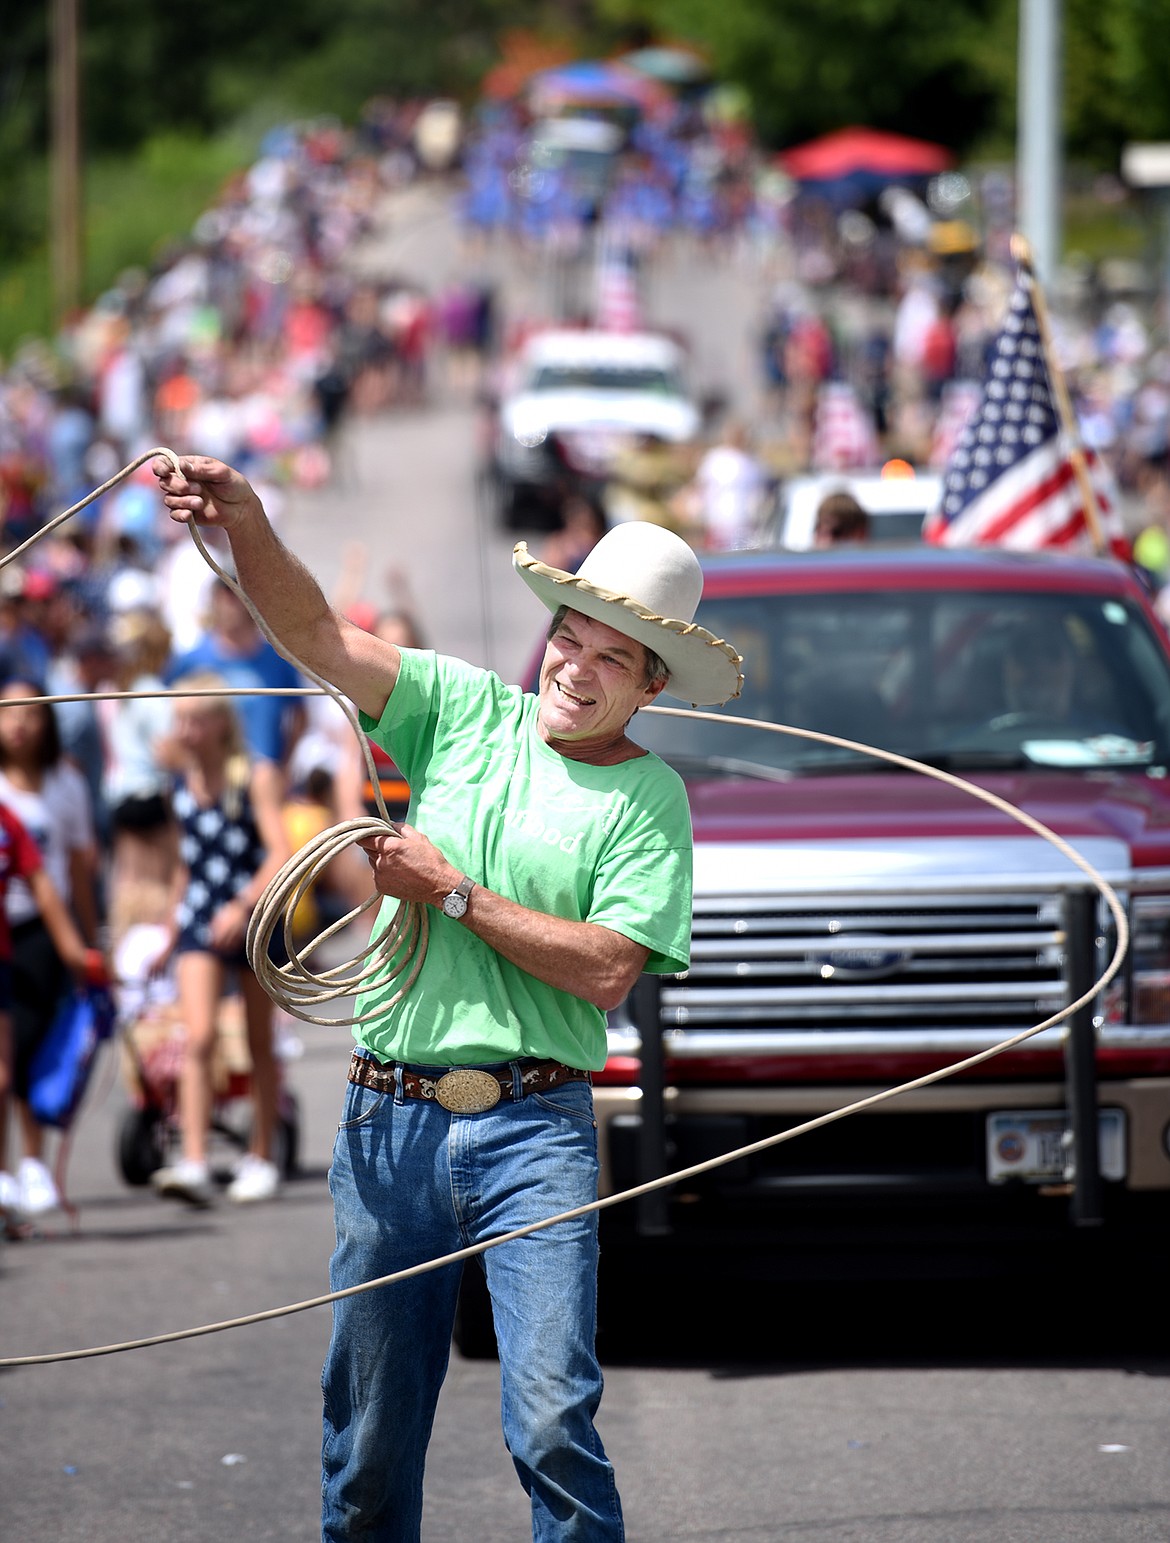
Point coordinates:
[[849, 152]]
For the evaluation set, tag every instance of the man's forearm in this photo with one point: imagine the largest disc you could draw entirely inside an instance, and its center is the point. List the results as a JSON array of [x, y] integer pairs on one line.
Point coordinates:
[[281, 588], [587, 960]]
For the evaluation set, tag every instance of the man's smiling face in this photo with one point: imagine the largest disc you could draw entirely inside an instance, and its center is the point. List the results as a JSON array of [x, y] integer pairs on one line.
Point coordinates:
[[592, 681]]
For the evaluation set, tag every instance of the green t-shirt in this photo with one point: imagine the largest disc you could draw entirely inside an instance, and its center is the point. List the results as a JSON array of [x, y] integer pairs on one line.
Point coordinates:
[[605, 844]]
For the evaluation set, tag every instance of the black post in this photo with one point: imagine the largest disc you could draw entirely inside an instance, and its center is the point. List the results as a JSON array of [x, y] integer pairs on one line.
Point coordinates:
[[646, 1015], [1080, 1067]]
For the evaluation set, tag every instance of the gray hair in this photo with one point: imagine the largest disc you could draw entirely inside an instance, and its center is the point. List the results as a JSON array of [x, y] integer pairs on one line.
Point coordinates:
[[655, 668]]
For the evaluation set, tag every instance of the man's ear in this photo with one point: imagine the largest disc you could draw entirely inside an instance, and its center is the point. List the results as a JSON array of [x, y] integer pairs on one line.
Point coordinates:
[[648, 695]]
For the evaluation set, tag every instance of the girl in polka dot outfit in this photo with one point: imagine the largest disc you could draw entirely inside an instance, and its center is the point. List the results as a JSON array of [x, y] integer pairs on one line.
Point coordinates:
[[231, 841]]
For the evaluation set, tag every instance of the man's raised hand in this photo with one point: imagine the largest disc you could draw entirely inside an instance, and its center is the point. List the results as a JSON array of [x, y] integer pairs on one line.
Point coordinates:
[[205, 489]]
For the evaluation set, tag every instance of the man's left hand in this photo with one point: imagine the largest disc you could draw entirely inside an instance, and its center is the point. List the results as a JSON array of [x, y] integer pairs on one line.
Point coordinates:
[[408, 866]]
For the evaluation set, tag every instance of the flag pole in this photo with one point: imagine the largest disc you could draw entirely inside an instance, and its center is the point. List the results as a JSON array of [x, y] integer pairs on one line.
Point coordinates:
[[1022, 253]]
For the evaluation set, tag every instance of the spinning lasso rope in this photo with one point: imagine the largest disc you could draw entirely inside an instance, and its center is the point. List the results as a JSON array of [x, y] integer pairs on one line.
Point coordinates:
[[297, 875]]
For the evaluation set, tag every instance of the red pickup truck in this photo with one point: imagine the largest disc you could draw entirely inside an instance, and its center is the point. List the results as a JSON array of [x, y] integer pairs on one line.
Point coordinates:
[[856, 925]]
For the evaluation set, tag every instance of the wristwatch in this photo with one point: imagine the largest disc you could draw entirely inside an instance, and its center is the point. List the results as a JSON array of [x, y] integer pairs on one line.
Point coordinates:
[[455, 904]]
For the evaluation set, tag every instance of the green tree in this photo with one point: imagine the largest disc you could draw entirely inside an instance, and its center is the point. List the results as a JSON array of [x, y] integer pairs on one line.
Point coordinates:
[[182, 64], [176, 94], [916, 66], [1117, 62], [23, 65], [946, 69]]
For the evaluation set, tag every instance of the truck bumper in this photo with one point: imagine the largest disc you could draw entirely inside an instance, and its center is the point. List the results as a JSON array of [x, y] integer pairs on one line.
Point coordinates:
[[929, 1142]]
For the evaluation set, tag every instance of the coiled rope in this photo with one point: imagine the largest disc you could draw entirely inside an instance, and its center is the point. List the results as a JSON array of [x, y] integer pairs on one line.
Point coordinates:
[[294, 891]]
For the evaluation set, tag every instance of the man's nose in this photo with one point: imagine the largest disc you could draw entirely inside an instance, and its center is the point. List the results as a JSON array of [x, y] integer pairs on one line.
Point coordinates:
[[582, 669]]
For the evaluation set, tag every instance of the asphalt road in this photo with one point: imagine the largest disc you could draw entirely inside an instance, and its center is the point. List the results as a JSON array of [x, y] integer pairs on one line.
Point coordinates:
[[734, 1412]]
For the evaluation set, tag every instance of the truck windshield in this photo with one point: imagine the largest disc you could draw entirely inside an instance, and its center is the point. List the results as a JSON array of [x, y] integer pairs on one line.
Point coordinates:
[[961, 679], [600, 377]]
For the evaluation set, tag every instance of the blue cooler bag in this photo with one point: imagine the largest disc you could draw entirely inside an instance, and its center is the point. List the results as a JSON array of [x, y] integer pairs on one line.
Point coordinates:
[[61, 1066]]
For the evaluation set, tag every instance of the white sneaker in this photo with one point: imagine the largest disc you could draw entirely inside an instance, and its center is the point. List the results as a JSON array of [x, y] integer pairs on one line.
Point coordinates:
[[256, 1179], [186, 1180], [9, 1196], [38, 1194]]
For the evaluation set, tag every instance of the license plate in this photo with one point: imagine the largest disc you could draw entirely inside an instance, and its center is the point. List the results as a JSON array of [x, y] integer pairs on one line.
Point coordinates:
[[1030, 1144]]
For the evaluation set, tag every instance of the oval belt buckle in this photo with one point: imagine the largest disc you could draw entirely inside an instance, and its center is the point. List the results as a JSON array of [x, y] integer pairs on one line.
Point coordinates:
[[466, 1091]]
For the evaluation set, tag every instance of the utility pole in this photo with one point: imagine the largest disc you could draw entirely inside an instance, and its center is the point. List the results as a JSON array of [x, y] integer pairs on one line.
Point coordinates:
[[65, 223], [1038, 152]]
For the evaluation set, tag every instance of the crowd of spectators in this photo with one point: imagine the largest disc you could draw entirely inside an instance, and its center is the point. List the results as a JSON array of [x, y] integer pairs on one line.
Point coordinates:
[[252, 338], [856, 374], [875, 322], [248, 341], [680, 171]]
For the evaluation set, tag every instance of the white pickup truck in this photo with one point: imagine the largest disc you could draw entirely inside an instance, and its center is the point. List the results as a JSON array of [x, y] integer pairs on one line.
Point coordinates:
[[579, 396]]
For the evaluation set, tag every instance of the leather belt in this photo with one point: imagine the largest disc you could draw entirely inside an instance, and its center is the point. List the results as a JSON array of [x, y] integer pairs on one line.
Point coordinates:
[[462, 1089]]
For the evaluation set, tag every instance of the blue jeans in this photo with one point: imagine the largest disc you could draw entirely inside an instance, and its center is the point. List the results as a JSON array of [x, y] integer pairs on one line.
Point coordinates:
[[412, 1182]]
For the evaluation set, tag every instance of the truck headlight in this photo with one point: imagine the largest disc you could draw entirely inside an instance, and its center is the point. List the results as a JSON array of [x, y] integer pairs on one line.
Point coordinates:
[[1150, 959], [529, 431]]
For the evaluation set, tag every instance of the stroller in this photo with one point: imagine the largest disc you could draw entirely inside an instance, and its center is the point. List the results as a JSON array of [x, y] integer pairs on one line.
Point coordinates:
[[152, 1057]]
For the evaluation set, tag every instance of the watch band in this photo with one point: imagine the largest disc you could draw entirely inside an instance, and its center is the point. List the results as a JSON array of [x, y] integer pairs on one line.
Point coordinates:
[[455, 902]]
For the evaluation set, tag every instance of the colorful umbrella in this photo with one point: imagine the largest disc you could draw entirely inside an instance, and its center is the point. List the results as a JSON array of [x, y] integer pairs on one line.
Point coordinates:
[[855, 163]]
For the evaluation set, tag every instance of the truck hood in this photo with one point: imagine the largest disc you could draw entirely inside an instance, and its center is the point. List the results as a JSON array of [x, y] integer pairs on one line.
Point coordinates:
[[556, 412], [838, 829]]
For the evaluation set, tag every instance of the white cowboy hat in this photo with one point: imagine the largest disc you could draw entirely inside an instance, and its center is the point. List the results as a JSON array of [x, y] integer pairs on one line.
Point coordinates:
[[645, 582]]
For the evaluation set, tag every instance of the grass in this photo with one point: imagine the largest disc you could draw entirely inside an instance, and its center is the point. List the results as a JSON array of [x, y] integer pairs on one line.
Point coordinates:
[[134, 207]]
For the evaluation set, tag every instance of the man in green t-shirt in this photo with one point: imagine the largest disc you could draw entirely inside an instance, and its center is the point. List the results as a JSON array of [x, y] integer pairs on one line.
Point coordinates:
[[555, 857]]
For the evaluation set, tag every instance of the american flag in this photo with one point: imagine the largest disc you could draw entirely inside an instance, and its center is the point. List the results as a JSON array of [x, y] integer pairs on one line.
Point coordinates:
[[617, 289], [844, 435], [960, 398], [1010, 480]]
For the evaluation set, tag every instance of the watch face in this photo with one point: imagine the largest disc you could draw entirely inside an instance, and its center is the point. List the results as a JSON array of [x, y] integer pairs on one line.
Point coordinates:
[[454, 905]]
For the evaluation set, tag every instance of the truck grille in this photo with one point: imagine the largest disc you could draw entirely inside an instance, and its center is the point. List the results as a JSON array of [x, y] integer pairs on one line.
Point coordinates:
[[773, 972]]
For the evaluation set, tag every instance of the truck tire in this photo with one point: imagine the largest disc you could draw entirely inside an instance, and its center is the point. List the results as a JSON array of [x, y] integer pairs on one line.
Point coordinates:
[[474, 1334]]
